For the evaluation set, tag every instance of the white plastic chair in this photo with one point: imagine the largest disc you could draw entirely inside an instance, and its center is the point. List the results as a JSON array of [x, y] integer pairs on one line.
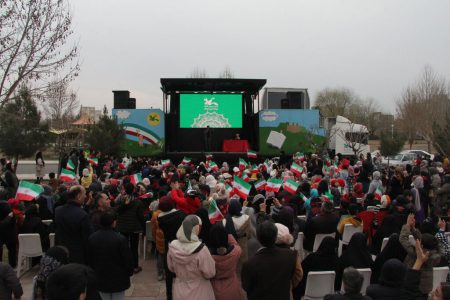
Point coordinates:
[[366, 273], [349, 230], [51, 237], [319, 284], [384, 243], [148, 237], [29, 246], [439, 275], [47, 222], [319, 237], [299, 245]]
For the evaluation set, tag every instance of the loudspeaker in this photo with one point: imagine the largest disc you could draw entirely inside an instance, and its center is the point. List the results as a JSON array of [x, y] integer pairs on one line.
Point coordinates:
[[121, 99], [295, 99], [131, 103], [284, 103]]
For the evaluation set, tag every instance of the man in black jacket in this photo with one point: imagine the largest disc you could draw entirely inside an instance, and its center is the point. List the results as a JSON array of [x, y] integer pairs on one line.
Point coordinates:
[[326, 222], [353, 281], [73, 226], [268, 274], [110, 257]]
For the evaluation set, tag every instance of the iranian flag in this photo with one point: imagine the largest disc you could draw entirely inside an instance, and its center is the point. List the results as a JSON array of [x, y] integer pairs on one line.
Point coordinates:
[[296, 169], [146, 195], [135, 179], [241, 187], [28, 191], [209, 156], [228, 188], [327, 196], [93, 161], [214, 213], [254, 169], [251, 154], [213, 166], [245, 177], [273, 185], [242, 164], [70, 165], [266, 164], [186, 160], [165, 162], [67, 175], [378, 193], [303, 197], [260, 184], [291, 186]]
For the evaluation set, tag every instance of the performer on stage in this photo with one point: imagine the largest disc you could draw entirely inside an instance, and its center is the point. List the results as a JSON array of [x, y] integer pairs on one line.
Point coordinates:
[[208, 138]]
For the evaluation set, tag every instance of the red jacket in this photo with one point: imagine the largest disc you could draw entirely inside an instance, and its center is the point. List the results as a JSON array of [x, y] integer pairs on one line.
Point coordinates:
[[187, 205]]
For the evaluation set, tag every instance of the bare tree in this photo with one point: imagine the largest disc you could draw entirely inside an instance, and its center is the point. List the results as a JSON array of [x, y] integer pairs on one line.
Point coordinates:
[[334, 102], [60, 104], [226, 73], [198, 73], [34, 44], [424, 106]]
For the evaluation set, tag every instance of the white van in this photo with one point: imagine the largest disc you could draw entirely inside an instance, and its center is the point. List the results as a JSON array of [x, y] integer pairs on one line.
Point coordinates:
[[345, 136]]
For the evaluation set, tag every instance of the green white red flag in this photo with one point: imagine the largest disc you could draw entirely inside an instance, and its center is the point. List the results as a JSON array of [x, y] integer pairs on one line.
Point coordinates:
[[273, 185], [214, 213], [260, 184], [378, 193], [28, 191], [186, 160], [213, 166], [266, 164], [165, 162], [70, 165], [251, 154], [93, 161], [291, 186], [228, 188], [135, 179], [254, 169], [67, 175], [242, 164], [241, 187], [327, 196], [245, 177], [296, 169]]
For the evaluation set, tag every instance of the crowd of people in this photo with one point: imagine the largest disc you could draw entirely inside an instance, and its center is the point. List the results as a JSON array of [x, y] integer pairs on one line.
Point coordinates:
[[215, 237]]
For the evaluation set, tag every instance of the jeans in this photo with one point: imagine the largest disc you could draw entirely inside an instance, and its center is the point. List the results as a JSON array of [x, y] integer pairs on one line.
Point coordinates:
[[112, 296]]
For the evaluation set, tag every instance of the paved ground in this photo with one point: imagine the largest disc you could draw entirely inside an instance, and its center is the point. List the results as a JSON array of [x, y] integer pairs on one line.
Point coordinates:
[[144, 286]]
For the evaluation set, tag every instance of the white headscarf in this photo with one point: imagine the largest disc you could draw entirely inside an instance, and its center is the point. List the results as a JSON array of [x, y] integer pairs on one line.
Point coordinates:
[[187, 235]]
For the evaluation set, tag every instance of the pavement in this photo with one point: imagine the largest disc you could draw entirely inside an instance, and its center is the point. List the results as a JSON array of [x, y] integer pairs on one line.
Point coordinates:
[[144, 285], [26, 169]]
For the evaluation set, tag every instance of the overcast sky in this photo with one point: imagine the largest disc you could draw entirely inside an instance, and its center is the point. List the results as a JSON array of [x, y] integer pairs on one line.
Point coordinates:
[[376, 48]]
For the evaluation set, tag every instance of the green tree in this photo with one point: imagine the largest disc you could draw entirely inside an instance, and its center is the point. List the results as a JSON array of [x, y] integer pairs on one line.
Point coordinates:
[[21, 130], [107, 136], [391, 144]]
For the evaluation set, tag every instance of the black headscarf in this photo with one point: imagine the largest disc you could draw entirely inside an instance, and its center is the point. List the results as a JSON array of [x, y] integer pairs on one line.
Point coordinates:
[[234, 210], [204, 235], [357, 254], [219, 240], [393, 249], [393, 273], [286, 217]]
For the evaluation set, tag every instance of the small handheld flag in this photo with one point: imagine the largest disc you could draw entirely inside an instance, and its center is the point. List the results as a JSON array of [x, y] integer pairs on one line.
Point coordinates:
[[135, 179], [273, 185], [291, 186], [93, 161], [67, 175], [251, 154], [70, 165], [242, 164], [28, 191], [214, 213], [241, 187]]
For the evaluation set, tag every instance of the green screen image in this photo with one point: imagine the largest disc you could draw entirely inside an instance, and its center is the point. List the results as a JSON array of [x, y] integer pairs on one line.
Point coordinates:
[[213, 110]]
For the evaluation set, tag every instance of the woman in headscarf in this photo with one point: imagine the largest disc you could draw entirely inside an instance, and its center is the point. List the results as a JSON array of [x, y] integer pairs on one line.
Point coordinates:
[[357, 255], [238, 224], [192, 263], [386, 229], [313, 196], [54, 258], [226, 252], [324, 259], [418, 198], [376, 183], [396, 183], [393, 249], [204, 235], [391, 282]]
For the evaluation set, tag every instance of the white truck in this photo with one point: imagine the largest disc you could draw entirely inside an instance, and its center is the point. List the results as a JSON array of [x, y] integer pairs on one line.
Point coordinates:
[[348, 138]]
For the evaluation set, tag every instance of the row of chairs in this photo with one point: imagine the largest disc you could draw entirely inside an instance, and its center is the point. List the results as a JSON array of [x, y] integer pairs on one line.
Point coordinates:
[[319, 284]]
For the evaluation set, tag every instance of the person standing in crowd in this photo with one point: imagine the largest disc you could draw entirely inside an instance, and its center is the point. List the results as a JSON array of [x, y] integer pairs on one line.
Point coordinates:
[[10, 287], [130, 221], [169, 220], [9, 180], [8, 233], [395, 185], [110, 257], [33, 224], [268, 274], [225, 252], [73, 226], [53, 259], [40, 167], [192, 263], [102, 203]]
